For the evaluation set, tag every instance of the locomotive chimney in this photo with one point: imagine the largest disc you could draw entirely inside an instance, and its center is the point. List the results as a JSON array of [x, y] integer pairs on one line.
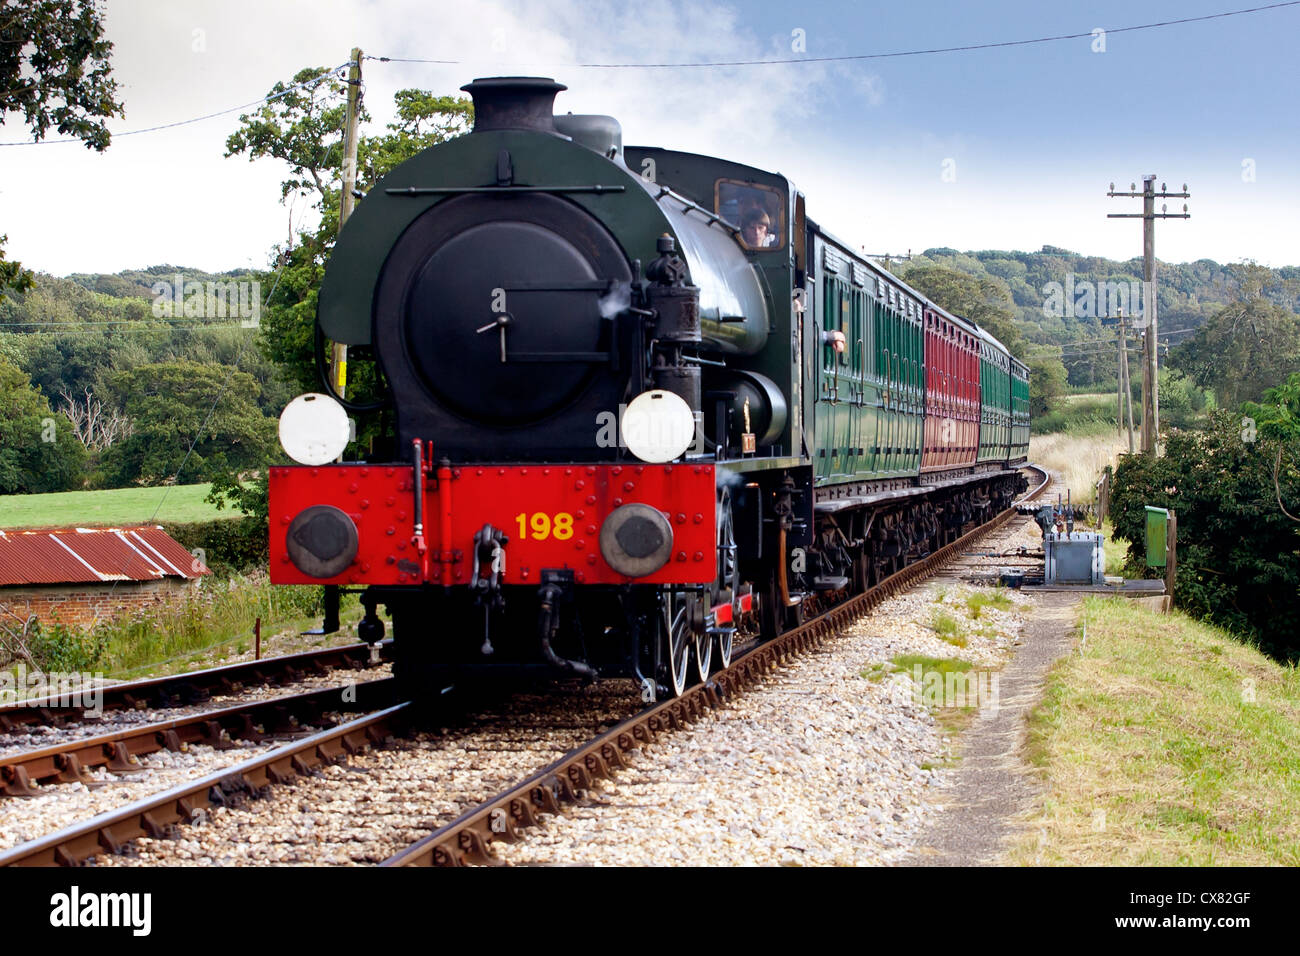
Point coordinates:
[[514, 102]]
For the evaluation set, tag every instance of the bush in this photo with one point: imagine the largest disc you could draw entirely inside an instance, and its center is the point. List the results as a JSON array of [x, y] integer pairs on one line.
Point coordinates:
[[229, 546], [57, 647], [1238, 555], [1087, 415], [202, 617]]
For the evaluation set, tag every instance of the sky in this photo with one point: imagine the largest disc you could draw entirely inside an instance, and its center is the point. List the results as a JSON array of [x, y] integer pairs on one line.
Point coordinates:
[[1006, 148]]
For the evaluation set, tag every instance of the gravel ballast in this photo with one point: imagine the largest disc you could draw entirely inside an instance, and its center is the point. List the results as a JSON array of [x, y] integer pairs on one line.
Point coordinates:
[[820, 765]]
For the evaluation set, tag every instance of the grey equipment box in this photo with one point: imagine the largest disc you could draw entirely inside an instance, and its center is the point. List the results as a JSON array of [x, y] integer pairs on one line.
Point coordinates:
[[1074, 558]]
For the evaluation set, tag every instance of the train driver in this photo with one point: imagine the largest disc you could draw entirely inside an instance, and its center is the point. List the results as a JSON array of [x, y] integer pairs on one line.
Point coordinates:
[[755, 231]]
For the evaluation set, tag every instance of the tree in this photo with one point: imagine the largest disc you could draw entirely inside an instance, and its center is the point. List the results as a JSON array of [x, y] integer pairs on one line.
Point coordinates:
[[1243, 350], [191, 422], [1046, 384], [95, 426], [12, 274], [1278, 421], [1181, 403], [304, 130], [38, 451], [54, 70], [984, 300]]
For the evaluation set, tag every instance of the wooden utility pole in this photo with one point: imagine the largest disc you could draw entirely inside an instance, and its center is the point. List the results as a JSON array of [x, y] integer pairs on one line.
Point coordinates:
[[1148, 215], [1119, 379], [1125, 386], [348, 200], [1171, 558]]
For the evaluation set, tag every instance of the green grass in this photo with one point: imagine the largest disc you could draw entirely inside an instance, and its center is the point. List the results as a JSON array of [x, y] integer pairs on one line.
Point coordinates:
[[876, 672], [1165, 741], [943, 665], [1115, 550], [209, 621], [947, 628], [117, 506], [953, 720], [1090, 394], [1078, 415], [978, 601]]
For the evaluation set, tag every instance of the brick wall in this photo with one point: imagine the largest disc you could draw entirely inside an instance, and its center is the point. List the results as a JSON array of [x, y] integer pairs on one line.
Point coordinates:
[[80, 604]]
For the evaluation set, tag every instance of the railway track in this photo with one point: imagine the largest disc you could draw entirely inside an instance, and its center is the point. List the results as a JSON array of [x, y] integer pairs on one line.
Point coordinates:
[[468, 838], [194, 687], [485, 742], [119, 751], [158, 816]]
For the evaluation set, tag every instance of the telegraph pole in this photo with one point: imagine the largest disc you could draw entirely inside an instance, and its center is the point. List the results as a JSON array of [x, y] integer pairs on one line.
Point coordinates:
[[1125, 388], [349, 186], [1119, 379], [1148, 215]]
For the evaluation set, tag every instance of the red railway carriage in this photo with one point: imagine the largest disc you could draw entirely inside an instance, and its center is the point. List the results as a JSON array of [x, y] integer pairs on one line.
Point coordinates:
[[952, 411]]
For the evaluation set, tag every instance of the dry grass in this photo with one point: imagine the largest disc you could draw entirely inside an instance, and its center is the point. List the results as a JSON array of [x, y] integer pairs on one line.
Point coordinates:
[[1076, 398], [1078, 459], [1164, 742]]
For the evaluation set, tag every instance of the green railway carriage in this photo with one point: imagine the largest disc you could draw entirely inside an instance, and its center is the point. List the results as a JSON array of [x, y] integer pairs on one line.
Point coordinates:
[[870, 401], [1019, 410], [995, 400]]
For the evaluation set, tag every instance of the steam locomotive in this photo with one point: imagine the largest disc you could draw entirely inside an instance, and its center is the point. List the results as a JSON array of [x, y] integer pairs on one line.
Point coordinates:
[[640, 403]]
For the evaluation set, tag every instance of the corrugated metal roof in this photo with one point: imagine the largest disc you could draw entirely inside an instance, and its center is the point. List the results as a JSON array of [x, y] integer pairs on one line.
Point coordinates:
[[82, 555]]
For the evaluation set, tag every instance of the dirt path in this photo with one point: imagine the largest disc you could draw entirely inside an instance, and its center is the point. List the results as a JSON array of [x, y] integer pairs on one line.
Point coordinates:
[[993, 783]]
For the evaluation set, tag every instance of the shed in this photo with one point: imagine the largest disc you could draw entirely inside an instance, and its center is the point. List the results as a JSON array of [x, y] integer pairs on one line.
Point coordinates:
[[79, 575]]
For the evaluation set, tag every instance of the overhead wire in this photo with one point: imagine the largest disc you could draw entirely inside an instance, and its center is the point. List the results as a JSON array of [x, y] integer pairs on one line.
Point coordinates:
[[688, 65], [206, 116], [875, 56]]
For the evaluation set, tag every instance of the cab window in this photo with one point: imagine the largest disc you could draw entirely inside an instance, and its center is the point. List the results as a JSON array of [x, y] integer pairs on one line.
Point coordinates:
[[757, 210]]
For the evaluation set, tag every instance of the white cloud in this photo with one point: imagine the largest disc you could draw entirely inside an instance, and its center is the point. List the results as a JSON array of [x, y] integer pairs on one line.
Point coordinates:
[[869, 173]]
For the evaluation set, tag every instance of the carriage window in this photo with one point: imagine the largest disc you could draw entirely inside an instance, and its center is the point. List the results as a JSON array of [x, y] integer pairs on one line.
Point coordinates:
[[757, 210]]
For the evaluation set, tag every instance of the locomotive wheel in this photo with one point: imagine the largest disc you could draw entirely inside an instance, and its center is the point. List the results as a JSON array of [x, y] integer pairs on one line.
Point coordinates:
[[675, 641], [862, 572], [728, 571], [703, 644], [724, 649]]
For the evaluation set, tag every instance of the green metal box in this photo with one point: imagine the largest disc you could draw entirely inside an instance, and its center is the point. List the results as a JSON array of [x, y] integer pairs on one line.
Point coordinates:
[[1157, 536]]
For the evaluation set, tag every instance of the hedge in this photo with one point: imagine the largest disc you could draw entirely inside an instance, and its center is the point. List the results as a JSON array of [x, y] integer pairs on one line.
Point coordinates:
[[227, 546]]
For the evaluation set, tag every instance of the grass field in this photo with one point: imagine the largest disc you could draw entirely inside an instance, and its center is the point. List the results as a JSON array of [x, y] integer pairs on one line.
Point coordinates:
[[1074, 398], [1078, 457], [1164, 741], [118, 506]]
